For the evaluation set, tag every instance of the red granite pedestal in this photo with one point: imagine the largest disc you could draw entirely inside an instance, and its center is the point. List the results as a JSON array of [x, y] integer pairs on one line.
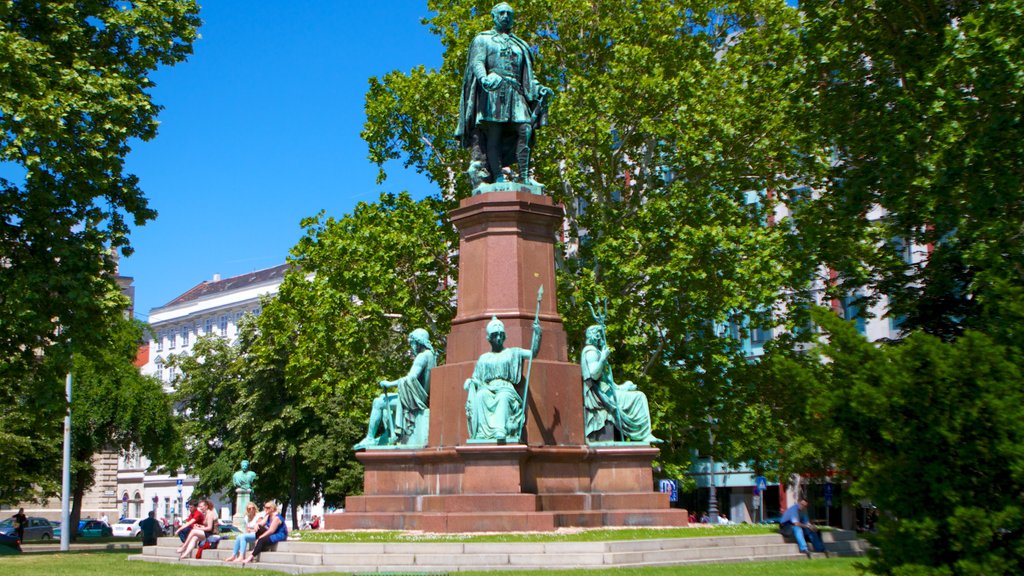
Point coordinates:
[[553, 478]]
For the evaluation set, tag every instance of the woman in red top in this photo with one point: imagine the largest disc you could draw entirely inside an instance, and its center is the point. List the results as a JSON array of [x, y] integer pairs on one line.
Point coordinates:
[[202, 531]]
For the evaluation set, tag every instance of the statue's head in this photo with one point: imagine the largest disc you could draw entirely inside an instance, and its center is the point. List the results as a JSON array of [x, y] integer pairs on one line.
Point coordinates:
[[245, 465], [420, 337], [495, 326], [595, 335], [496, 333], [504, 16]]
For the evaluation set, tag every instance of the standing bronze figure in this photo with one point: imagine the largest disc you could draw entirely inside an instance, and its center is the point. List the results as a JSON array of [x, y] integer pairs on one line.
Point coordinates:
[[502, 103]]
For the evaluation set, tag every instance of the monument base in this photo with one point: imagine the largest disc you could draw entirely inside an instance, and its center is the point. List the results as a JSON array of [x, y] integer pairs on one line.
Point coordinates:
[[242, 498], [484, 488]]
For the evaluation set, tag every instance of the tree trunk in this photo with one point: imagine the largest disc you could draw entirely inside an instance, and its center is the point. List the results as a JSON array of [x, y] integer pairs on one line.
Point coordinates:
[[293, 493], [79, 483]]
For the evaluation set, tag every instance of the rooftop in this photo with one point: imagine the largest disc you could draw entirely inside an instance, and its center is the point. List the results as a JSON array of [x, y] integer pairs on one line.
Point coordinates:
[[216, 286]]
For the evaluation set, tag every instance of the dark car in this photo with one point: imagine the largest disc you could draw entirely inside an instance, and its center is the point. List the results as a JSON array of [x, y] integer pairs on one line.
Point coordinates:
[[37, 529], [9, 544], [88, 529], [229, 529]]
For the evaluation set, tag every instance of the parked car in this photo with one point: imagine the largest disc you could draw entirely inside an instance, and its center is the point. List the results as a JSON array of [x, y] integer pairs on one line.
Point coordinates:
[[9, 544], [37, 529], [87, 529], [127, 527]]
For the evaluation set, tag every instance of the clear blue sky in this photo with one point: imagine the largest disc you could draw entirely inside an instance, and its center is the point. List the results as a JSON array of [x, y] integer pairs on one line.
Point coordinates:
[[260, 129]]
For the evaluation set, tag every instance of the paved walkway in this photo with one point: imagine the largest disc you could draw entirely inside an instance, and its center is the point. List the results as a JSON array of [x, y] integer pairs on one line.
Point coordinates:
[[76, 546]]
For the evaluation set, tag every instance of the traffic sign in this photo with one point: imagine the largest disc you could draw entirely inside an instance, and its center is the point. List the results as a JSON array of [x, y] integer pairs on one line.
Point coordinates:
[[828, 493], [757, 502], [760, 484]]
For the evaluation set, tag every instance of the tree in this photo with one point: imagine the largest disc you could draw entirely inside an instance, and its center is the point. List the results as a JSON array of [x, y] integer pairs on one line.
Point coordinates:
[[206, 394], [75, 78], [931, 433], [337, 326], [115, 407], [668, 145], [293, 394], [915, 110]]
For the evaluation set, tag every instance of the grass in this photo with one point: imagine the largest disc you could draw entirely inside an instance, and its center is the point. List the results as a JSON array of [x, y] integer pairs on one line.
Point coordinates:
[[116, 563], [563, 536]]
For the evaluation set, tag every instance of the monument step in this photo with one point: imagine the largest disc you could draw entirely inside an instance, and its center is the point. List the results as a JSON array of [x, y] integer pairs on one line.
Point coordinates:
[[297, 557]]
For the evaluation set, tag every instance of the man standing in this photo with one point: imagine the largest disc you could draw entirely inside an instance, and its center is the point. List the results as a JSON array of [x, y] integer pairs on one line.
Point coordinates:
[[403, 417], [501, 102], [795, 523], [149, 528], [20, 521]]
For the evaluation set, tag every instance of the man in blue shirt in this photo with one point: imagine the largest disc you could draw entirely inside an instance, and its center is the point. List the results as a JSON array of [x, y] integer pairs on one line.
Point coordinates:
[[795, 523]]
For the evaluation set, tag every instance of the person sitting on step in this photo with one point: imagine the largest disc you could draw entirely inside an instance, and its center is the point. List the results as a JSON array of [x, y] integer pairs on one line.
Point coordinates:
[[272, 531]]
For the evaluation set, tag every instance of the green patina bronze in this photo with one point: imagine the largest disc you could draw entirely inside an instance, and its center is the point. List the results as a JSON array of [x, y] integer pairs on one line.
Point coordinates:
[[403, 418], [605, 403], [494, 408], [243, 477], [502, 104]]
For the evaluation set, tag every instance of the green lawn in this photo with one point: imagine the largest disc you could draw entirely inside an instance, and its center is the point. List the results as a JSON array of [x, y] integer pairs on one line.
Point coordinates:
[[117, 564], [574, 536]]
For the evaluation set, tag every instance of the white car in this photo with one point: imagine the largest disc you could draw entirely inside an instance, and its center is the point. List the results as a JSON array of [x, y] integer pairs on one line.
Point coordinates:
[[127, 527]]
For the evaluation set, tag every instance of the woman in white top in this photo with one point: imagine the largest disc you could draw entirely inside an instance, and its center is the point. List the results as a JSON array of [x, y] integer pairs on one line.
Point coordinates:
[[252, 522]]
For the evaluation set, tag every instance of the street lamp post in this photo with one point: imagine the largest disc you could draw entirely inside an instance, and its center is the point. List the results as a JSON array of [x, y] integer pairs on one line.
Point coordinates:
[[65, 493], [712, 497]]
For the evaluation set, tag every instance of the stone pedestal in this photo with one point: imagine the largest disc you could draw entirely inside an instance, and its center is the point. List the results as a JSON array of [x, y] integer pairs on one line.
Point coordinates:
[[553, 478], [242, 497]]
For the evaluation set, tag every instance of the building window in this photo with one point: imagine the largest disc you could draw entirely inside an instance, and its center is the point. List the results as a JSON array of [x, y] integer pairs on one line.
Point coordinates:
[[184, 335], [159, 341], [760, 335], [172, 339], [223, 325], [209, 327], [852, 311], [159, 370], [255, 311]]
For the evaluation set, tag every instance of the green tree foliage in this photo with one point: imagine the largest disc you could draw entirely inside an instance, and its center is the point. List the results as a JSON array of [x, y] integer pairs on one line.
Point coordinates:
[[206, 391], [73, 93], [933, 435], [921, 107], [114, 407], [913, 113], [294, 394], [666, 117]]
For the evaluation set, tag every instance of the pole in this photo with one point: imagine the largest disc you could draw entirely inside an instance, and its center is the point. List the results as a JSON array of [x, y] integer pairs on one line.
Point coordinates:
[[65, 496], [529, 364], [712, 497]]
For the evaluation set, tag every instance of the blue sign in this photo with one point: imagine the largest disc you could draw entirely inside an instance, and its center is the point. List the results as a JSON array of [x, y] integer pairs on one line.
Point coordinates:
[[760, 485], [671, 487], [179, 482], [828, 494]]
